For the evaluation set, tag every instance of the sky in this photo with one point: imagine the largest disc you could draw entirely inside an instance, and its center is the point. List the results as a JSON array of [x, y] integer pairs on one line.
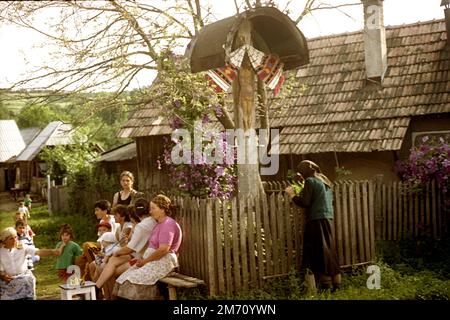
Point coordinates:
[[19, 54]]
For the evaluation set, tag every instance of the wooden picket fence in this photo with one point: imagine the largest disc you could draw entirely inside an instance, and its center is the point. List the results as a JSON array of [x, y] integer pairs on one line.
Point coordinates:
[[354, 221], [397, 212], [235, 245], [401, 213]]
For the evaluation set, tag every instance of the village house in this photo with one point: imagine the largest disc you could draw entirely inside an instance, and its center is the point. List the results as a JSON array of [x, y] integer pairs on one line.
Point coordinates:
[[28, 163], [366, 98], [114, 161], [11, 144], [361, 103]]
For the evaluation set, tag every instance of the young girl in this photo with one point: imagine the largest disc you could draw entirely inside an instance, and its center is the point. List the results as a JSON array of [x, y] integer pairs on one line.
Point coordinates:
[[69, 251]]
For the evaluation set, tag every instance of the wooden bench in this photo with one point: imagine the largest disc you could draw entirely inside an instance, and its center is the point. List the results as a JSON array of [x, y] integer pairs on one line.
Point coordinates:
[[176, 280]]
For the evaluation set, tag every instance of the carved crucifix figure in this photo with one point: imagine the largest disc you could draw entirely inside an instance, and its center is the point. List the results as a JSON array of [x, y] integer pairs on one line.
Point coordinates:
[[244, 91]]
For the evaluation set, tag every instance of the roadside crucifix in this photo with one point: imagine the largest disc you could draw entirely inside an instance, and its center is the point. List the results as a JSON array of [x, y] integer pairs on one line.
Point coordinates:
[[247, 53]]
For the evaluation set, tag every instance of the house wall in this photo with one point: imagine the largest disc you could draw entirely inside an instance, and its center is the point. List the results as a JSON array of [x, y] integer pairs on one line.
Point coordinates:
[[149, 150], [114, 168], [362, 165], [3, 172]]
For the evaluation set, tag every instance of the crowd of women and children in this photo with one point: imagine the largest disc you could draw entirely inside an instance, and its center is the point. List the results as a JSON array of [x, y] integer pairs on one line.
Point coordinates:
[[137, 245], [138, 242]]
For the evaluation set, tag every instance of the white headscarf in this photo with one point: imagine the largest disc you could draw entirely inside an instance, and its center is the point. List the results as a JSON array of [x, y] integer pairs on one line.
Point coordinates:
[[6, 233]]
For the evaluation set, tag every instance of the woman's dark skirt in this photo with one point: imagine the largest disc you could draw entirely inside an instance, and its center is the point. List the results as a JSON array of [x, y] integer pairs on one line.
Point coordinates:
[[319, 254]]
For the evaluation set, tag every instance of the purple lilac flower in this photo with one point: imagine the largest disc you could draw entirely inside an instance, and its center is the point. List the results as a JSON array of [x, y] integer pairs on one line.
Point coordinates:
[[176, 104], [206, 119]]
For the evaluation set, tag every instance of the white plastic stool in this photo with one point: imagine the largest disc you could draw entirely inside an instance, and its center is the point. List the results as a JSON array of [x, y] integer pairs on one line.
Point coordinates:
[[88, 289]]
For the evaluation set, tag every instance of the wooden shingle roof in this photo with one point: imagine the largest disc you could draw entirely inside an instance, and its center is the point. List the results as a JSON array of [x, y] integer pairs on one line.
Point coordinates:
[[148, 121], [333, 109]]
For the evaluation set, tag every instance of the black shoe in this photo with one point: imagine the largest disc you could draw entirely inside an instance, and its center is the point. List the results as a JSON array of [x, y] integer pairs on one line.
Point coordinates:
[[336, 286], [324, 287]]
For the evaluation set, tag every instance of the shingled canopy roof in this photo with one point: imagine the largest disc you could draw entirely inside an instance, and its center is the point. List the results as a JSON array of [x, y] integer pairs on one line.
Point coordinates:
[[273, 32], [337, 111]]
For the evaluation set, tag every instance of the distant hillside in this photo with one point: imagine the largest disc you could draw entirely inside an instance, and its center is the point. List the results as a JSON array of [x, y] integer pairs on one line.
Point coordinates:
[[15, 100], [101, 127]]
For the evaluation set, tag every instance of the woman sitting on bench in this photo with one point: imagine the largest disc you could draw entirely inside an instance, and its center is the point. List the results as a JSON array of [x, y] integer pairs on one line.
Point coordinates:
[[126, 256], [160, 257]]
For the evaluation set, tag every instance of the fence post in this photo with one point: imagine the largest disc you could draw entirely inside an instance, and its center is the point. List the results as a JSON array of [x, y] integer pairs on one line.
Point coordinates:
[[379, 223], [210, 247], [49, 192]]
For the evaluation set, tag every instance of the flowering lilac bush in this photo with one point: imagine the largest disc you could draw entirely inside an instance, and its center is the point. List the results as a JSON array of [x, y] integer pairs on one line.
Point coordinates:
[[200, 178], [188, 99], [427, 162]]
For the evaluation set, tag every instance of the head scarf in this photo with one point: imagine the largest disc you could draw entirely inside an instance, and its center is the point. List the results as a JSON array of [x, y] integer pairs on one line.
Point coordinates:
[[309, 169], [6, 233]]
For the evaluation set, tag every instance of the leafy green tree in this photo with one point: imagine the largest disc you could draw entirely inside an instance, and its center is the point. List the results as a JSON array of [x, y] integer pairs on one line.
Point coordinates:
[[37, 115], [67, 160]]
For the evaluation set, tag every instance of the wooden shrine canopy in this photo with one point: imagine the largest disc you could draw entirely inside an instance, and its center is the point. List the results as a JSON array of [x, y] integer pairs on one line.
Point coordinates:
[[272, 32]]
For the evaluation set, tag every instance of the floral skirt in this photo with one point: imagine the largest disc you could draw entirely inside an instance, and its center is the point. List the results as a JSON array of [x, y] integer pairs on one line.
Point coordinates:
[[22, 286], [152, 271]]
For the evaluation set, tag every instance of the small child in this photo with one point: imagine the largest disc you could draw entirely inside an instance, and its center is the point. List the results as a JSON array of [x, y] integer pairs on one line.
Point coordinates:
[[27, 201], [23, 209], [25, 238], [109, 245], [103, 227], [22, 217], [68, 250], [19, 216]]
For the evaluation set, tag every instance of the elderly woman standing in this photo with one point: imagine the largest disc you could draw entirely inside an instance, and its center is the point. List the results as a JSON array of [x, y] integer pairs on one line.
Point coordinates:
[[127, 195], [319, 253], [160, 257], [16, 281]]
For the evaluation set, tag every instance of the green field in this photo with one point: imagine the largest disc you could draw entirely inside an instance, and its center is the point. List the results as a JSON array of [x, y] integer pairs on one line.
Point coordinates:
[[15, 102]]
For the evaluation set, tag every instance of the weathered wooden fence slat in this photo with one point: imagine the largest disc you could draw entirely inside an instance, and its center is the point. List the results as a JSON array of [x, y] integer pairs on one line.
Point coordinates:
[[243, 225], [359, 221], [218, 235], [251, 241], [274, 233], [235, 250], [338, 222]]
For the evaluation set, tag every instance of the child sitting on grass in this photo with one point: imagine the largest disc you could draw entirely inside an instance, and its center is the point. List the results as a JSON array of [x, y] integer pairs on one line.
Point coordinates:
[[23, 209], [24, 237], [69, 251], [22, 217]]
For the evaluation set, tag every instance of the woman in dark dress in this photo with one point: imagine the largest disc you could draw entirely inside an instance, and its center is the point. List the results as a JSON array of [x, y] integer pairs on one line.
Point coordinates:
[[127, 195], [319, 254]]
